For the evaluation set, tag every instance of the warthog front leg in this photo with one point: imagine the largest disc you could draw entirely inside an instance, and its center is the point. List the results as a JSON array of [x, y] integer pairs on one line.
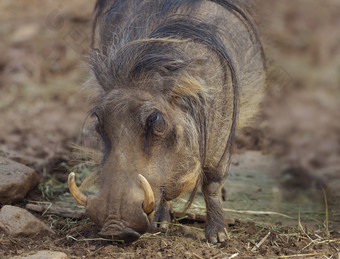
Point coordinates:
[[215, 228]]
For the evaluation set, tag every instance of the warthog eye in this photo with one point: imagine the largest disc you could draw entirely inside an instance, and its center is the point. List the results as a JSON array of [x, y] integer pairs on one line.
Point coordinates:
[[154, 129], [102, 133], [155, 123]]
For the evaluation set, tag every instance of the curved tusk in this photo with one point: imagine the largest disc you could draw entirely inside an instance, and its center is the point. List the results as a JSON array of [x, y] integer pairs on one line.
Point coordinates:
[[150, 216], [149, 199], [76, 193]]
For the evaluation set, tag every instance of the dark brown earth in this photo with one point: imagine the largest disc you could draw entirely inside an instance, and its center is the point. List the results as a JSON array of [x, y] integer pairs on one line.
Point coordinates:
[[43, 107]]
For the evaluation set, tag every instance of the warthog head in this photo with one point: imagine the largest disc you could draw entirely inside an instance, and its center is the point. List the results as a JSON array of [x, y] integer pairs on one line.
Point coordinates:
[[150, 155]]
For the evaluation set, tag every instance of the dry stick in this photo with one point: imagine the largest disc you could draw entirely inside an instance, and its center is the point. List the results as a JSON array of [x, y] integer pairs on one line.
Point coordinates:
[[248, 211], [46, 210], [311, 242], [227, 233], [197, 256], [299, 255], [326, 212], [51, 210], [299, 223], [94, 239], [261, 242], [233, 255], [330, 241], [303, 230], [258, 212]]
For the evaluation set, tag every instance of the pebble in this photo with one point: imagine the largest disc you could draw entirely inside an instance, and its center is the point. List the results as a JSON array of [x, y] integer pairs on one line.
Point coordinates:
[[44, 254]]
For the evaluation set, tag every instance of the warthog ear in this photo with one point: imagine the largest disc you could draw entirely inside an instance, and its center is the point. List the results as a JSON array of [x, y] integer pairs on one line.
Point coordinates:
[[197, 64], [187, 82], [189, 86], [99, 65]]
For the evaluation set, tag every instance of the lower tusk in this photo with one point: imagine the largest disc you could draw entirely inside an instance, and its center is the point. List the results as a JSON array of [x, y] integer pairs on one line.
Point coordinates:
[[150, 216], [149, 199], [76, 193]]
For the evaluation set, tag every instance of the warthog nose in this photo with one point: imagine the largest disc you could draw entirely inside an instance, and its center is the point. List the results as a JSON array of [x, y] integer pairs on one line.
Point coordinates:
[[127, 234]]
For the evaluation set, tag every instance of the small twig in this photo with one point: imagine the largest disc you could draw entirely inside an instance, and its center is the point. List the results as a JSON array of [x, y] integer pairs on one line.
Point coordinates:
[[307, 245], [317, 236], [335, 248], [326, 212], [261, 242], [299, 255], [49, 209], [94, 239], [302, 228], [162, 240], [227, 233], [184, 217], [197, 256], [46, 210], [329, 241], [39, 202], [258, 212], [233, 256], [299, 221]]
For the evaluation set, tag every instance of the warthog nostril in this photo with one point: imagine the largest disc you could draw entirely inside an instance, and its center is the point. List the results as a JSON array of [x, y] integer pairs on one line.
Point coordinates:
[[127, 234]]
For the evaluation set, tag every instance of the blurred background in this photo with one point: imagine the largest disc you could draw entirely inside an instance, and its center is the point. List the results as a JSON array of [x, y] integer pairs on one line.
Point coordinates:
[[301, 121], [43, 105]]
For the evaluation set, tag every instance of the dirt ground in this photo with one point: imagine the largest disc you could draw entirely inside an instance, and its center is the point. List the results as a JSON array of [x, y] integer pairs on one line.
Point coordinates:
[[43, 107]]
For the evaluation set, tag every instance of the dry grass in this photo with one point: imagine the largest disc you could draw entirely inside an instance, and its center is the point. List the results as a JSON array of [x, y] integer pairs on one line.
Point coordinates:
[[244, 239]]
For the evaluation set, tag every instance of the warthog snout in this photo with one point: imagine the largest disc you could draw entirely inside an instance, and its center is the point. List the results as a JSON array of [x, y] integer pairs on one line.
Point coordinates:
[[119, 232], [139, 212]]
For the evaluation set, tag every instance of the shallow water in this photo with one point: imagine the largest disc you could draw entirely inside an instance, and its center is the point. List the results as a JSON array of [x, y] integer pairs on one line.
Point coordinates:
[[256, 185]]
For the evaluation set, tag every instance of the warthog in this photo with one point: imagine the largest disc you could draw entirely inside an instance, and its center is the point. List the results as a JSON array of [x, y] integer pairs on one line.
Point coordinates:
[[175, 78]]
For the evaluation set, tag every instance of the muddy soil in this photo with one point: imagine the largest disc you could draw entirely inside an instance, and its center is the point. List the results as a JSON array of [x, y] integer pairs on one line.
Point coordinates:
[[43, 108]]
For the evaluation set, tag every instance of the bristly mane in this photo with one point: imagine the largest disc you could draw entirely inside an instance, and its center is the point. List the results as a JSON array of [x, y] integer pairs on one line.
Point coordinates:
[[143, 42], [144, 45]]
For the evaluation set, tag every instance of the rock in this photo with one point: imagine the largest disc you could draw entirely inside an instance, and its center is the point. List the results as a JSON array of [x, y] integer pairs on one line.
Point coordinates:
[[17, 157], [16, 221], [44, 254], [15, 180]]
